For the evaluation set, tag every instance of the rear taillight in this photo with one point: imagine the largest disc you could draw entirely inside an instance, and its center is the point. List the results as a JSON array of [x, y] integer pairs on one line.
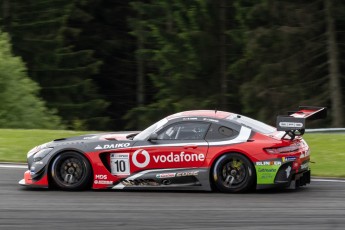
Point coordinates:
[[279, 150]]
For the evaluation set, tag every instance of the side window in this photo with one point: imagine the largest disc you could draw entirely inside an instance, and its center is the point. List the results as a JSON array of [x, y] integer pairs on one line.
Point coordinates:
[[217, 132], [184, 131]]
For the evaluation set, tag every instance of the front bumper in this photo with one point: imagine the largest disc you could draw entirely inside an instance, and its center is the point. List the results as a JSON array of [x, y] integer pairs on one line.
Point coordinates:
[[29, 181]]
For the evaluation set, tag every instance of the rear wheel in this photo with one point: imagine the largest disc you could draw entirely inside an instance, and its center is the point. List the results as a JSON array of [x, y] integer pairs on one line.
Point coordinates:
[[233, 172], [71, 171]]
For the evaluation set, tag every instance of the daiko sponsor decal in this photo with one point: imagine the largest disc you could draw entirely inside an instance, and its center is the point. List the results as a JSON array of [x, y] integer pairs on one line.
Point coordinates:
[[171, 158], [113, 146]]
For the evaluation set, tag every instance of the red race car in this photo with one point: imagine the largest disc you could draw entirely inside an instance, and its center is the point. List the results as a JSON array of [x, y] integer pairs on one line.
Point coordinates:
[[193, 150]]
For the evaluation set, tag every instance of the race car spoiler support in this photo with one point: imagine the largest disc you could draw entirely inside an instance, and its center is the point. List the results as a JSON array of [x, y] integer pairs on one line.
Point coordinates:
[[294, 123]]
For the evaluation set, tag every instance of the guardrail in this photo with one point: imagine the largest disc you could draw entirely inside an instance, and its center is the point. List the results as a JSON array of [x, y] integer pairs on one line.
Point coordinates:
[[328, 130]]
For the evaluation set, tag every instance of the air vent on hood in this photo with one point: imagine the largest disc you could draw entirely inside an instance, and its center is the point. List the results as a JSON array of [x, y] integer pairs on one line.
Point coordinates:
[[60, 139]]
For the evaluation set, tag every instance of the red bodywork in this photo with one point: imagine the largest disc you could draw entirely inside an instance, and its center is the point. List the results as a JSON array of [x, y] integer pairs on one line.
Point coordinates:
[[187, 155]]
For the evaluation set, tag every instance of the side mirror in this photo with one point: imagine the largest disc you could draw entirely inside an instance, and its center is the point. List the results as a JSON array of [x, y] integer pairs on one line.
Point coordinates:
[[153, 137]]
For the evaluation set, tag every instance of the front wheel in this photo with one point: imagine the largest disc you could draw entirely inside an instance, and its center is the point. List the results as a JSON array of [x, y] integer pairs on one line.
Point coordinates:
[[233, 172], [71, 171]]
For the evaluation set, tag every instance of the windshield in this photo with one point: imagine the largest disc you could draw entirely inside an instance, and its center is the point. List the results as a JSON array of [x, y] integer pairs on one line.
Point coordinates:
[[255, 125], [146, 133]]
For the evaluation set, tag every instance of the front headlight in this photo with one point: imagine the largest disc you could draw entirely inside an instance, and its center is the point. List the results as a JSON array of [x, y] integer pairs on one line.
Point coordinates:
[[41, 154], [33, 151], [36, 149]]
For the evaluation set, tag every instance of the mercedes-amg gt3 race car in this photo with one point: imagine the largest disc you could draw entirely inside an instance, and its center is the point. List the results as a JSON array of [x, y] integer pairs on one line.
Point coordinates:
[[192, 150]]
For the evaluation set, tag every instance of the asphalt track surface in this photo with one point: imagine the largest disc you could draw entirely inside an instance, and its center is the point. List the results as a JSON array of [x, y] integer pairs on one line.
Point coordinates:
[[321, 205]]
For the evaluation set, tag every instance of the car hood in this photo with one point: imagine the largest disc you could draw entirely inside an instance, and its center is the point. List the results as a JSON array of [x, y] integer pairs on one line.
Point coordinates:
[[111, 136]]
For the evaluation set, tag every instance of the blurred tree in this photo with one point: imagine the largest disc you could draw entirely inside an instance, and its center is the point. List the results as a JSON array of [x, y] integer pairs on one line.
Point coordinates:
[[333, 50], [104, 29], [186, 46], [289, 58], [150, 58], [20, 107], [39, 31]]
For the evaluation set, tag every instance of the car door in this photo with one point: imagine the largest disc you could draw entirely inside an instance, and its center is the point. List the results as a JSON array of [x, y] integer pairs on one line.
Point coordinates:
[[178, 145]]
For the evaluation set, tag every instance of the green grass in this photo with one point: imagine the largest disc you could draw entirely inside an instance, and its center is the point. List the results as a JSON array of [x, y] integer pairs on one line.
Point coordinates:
[[328, 153], [327, 150], [15, 143]]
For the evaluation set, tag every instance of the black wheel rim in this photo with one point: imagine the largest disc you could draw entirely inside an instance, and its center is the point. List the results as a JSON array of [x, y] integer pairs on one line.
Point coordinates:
[[233, 173], [70, 171]]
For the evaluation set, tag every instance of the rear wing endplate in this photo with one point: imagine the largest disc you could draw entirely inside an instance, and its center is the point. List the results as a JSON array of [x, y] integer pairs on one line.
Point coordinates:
[[294, 123]]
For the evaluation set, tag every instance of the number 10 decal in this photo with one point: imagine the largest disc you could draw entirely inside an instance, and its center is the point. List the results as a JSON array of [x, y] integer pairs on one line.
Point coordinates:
[[120, 164]]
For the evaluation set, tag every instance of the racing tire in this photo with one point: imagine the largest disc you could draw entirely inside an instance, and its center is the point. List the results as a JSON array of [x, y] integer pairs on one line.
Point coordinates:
[[233, 172], [71, 171]]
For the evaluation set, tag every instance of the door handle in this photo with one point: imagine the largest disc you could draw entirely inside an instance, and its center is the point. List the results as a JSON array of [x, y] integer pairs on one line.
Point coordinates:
[[190, 146]]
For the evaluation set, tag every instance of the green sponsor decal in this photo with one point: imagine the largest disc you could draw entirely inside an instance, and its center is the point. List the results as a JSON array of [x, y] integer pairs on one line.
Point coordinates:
[[266, 173]]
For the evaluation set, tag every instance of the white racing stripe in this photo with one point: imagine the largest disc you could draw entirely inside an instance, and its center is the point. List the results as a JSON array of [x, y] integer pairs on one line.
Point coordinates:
[[13, 166], [243, 136]]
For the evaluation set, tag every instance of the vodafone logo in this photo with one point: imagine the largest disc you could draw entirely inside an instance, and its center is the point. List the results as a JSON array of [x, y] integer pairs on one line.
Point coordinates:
[[145, 154], [166, 158]]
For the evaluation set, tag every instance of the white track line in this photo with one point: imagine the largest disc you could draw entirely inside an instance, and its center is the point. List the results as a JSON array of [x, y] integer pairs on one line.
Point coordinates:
[[328, 180], [13, 166]]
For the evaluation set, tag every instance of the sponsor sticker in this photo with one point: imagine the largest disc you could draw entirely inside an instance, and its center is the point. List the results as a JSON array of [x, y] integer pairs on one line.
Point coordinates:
[[172, 157], [145, 154], [291, 124], [181, 157], [211, 120], [191, 173], [178, 174], [120, 164], [166, 175], [285, 159], [190, 118], [102, 182], [113, 146], [101, 177], [266, 163], [267, 170], [266, 177]]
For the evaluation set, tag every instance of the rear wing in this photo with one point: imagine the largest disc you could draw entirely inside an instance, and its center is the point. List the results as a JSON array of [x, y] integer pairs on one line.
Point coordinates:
[[294, 123]]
